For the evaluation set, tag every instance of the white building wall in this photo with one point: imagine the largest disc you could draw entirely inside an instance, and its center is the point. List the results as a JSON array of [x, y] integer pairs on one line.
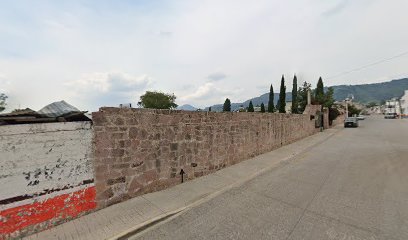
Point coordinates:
[[404, 103], [39, 157]]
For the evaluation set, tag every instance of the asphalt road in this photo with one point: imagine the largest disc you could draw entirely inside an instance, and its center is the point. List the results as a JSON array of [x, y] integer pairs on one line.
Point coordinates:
[[354, 186]]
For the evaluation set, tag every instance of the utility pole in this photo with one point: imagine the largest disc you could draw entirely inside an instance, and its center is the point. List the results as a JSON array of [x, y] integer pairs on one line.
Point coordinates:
[[346, 100]]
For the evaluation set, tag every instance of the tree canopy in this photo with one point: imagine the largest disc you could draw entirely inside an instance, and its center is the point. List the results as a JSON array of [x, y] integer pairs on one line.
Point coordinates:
[[302, 96], [3, 104], [371, 104], [319, 92], [271, 106], [295, 105], [262, 107], [251, 107], [158, 100], [352, 110], [282, 96], [227, 106]]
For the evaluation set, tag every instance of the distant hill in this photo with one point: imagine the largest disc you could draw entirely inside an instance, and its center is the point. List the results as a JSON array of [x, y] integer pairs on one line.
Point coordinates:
[[186, 107], [364, 93], [257, 101], [374, 92]]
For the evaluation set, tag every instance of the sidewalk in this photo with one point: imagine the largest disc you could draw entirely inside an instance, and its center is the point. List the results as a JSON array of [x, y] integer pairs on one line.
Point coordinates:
[[126, 217]]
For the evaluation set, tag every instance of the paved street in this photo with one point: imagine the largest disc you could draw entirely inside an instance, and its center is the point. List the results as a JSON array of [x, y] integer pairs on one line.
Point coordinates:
[[352, 186]]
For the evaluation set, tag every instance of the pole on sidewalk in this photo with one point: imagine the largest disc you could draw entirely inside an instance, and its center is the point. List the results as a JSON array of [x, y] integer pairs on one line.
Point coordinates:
[[182, 175]]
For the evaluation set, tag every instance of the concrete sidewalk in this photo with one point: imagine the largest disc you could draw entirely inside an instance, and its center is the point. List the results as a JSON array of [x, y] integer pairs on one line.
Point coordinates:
[[127, 217]]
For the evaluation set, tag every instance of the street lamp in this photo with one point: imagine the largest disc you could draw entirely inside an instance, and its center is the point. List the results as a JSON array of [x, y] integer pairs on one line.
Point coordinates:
[[350, 98], [346, 100]]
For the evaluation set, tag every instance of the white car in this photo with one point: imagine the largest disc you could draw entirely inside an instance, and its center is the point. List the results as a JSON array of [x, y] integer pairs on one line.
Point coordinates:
[[360, 117]]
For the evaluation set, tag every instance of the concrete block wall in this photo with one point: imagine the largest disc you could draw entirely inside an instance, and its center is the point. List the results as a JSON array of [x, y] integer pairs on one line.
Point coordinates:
[[46, 176], [137, 151]]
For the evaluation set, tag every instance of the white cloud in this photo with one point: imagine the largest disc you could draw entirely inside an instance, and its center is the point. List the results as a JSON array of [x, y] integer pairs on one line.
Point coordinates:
[[217, 76], [340, 6], [109, 88], [165, 33], [4, 83], [44, 45], [208, 94]]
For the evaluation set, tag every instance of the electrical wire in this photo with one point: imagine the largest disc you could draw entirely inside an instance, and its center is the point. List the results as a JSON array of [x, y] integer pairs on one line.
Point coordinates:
[[368, 65]]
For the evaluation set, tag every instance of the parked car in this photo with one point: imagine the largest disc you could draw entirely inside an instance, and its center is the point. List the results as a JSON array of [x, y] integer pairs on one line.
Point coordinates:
[[360, 117], [390, 116], [351, 122]]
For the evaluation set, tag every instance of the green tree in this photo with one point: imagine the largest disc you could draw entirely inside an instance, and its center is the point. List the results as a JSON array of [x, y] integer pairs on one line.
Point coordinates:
[[209, 109], [295, 105], [157, 100], [328, 99], [262, 107], [371, 104], [352, 110], [3, 104], [333, 114], [302, 96], [271, 106], [227, 106], [251, 107], [282, 96], [319, 92]]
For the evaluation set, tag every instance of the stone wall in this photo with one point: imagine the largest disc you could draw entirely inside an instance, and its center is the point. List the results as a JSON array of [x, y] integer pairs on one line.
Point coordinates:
[[339, 120], [138, 151], [46, 175]]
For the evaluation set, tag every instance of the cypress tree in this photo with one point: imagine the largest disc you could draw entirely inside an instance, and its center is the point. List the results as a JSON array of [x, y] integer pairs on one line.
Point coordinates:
[[262, 107], [295, 104], [227, 106], [319, 92], [282, 96], [251, 107], [271, 106], [209, 109]]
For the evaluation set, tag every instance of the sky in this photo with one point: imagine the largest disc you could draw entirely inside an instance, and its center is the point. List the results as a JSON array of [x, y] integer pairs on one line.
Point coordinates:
[[104, 53]]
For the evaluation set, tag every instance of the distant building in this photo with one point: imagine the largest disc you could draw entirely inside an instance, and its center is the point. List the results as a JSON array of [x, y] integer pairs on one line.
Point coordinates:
[[404, 103], [392, 107], [288, 107], [125, 105]]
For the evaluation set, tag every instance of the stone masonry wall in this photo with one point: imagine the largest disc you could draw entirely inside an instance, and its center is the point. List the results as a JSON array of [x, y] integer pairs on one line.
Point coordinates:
[[137, 151], [339, 120]]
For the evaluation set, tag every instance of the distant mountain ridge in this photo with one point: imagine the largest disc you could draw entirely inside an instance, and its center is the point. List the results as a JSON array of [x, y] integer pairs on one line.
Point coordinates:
[[363, 93], [374, 92], [186, 107]]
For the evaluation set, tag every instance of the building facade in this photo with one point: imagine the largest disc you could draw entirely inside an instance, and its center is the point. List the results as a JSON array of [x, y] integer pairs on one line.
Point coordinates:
[[404, 103]]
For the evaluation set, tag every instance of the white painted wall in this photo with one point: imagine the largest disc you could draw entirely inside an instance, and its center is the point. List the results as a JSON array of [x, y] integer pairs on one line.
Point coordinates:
[[39, 157], [404, 102]]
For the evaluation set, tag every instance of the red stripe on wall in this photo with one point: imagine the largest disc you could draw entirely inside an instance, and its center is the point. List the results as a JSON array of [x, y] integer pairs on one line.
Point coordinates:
[[56, 208]]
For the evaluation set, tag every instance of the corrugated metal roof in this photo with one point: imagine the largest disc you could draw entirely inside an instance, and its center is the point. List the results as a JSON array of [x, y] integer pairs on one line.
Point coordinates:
[[20, 112], [57, 109]]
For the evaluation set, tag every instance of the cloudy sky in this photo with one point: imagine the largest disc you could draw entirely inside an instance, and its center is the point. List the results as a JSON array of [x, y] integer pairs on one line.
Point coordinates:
[[102, 53]]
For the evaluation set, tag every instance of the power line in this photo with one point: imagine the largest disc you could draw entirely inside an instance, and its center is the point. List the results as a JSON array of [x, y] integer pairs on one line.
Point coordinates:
[[368, 65]]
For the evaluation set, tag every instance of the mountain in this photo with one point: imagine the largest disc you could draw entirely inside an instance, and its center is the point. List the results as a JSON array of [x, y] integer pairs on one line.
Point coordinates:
[[374, 92], [186, 107], [257, 101], [363, 93]]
